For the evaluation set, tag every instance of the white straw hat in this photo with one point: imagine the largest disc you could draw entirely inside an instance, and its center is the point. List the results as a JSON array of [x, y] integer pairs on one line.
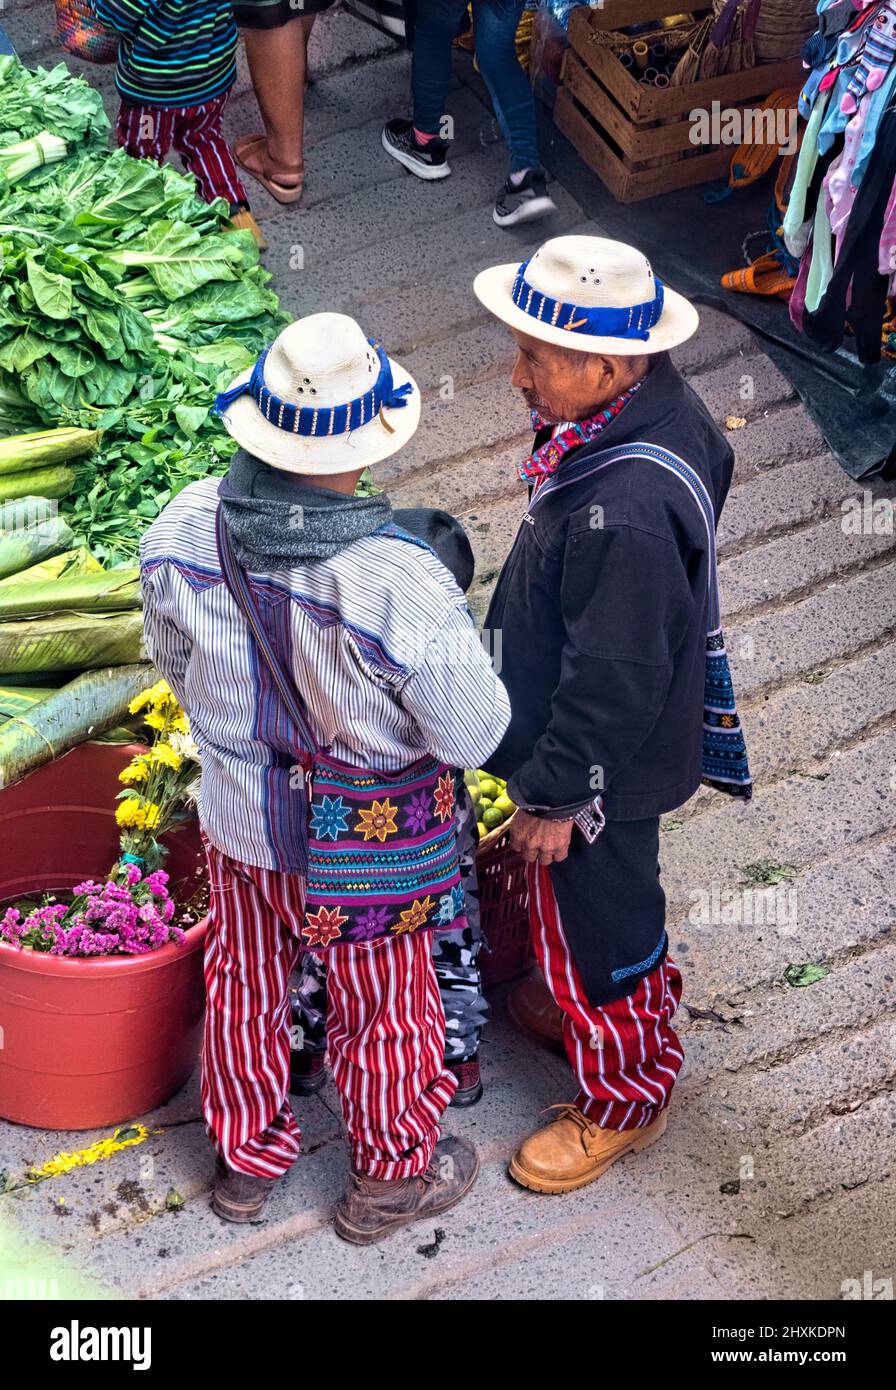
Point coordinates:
[[591, 295], [322, 399]]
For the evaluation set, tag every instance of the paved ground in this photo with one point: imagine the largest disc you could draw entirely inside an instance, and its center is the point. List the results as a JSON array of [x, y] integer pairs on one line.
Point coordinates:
[[777, 1176]]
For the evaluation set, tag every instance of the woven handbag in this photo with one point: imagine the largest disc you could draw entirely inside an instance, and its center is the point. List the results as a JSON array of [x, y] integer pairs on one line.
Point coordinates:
[[382, 856], [81, 33]]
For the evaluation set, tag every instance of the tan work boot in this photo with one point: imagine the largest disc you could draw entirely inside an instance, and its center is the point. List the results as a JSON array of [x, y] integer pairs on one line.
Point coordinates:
[[243, 221], [573, 1151], [239, 1196], [531, 1009], [375, 1207]]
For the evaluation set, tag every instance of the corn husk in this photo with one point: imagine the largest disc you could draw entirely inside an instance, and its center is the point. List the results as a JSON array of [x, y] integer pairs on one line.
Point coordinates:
[[69, 642], [109, 591], [30, 531], [40, 448], [78, 561], [84, 708], [56, 481]]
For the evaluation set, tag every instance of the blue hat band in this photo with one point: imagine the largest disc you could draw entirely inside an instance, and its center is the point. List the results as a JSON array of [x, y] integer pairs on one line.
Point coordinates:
[[634, 322], [317, 421]]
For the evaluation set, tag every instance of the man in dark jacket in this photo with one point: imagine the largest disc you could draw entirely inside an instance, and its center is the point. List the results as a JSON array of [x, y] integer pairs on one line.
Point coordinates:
[[603, 609]]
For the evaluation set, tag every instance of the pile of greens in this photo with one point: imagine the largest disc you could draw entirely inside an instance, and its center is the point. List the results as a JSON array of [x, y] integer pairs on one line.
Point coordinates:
[[34, 101], [124, 307]]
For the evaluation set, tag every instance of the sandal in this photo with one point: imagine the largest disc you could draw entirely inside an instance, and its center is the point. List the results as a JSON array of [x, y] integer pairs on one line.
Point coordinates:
[[252, 156]]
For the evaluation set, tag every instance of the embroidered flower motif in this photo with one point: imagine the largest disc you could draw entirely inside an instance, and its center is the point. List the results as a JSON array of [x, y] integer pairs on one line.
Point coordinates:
[[374, 922], [416, 815], [379, 822], [329, 818], [324, 926], [414, 916], [444, 797]]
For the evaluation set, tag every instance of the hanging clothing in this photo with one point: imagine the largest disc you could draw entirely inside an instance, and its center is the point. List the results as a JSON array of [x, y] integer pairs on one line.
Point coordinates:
[[857, 291]]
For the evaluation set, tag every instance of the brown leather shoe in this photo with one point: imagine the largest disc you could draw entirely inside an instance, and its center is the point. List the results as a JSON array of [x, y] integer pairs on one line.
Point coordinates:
[[373, 1208], [572, 1151], [239, 1196], [531, 1010]]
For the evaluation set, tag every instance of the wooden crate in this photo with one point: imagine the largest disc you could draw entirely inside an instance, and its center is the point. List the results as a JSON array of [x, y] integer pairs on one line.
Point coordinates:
[[638, 138]]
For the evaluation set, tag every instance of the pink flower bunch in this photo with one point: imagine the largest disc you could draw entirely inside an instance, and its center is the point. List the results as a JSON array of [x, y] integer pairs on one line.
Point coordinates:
[[126, 918]]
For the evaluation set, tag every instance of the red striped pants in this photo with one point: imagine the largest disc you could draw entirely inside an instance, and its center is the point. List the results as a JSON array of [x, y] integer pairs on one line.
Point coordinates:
[[625, 1054], [194, 132], [386, 1032]]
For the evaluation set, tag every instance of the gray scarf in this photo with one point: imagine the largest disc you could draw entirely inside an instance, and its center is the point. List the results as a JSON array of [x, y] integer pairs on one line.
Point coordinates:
[[277, 520]]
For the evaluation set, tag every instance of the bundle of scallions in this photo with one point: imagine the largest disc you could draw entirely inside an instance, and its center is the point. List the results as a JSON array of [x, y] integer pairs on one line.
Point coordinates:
[[27, 155]]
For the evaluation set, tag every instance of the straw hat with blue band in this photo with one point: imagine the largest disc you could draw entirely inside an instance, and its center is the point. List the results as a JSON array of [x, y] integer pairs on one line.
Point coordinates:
[[322, 399], [591, 295]]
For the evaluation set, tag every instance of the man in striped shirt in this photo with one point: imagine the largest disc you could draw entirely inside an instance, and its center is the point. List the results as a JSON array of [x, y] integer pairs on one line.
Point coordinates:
[[379, 641], [176, 66]]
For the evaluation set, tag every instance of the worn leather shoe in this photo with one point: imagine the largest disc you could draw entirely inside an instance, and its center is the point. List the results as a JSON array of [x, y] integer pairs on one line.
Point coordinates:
[[239, 1196], [531, 1010], [573, 1151], [373, 1207]]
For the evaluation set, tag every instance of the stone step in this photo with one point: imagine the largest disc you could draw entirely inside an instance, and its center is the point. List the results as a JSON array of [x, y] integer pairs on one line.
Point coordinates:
[[834, 1251], [826, 1077], [794, 822], [475, 354], [831, 624], [765, 1028], [469, 485], [784, 434], [348, 160], [796, 729], [737, 945], [339, 100], [723, 389], [459, 232], [480, 417], [719, 336], [787, 566], [762, 504]]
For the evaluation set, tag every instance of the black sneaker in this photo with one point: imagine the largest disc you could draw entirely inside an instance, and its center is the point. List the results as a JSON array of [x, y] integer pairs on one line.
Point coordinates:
[[525, 202], [429, 161]]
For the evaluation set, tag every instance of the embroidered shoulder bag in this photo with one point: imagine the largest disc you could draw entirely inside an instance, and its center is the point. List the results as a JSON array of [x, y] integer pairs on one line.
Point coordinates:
[[382, 855]]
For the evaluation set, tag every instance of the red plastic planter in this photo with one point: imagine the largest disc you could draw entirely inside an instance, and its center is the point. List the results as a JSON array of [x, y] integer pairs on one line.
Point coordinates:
[[93, 1042]]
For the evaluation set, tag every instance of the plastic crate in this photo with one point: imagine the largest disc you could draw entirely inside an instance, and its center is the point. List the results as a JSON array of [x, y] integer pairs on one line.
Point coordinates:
[[504, 909]]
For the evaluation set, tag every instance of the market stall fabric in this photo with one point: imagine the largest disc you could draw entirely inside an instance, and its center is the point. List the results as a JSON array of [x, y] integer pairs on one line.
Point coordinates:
[[841, 219]]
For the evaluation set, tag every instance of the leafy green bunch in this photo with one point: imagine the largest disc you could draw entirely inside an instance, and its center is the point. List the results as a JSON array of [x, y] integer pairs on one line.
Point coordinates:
[[124, 307], [53, 100]]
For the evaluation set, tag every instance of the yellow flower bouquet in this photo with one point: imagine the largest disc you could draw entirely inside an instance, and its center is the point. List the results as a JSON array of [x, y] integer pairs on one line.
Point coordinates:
[[159, 784]]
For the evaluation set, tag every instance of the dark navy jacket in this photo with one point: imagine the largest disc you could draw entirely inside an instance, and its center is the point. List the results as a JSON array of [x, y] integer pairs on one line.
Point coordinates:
[[602, 612]]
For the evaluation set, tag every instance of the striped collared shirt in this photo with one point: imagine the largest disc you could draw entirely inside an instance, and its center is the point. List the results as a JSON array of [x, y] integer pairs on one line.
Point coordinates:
[[380, 641]]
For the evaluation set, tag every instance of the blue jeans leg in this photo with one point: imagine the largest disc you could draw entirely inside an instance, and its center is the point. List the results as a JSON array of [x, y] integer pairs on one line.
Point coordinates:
[[494, 25]]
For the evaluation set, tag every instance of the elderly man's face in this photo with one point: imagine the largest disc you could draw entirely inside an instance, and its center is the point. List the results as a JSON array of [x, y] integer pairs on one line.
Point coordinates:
[[562, 384]]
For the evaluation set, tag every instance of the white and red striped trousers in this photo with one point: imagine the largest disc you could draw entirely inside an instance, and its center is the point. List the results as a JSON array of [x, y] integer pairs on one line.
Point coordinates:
[[625, 1054], [386, 1032], [149, 132]]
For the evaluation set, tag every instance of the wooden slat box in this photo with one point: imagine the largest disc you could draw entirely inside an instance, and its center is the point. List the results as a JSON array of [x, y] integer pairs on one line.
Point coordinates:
[[637, 137]]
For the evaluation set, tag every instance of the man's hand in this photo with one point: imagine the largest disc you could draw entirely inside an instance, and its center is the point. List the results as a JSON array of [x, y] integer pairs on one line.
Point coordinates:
[[540, 841]]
